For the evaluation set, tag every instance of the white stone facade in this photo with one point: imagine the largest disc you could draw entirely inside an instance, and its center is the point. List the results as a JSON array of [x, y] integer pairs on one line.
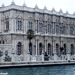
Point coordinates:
[[52, 30]]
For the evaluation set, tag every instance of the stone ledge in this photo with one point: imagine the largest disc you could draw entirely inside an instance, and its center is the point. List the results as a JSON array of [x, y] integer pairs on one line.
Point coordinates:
[[35, 64]]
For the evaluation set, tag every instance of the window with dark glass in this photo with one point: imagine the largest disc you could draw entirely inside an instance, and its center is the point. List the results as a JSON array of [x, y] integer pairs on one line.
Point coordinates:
[[19, 47], [48, 28], [57, 49], [0, 42], [72, 49], [7, 25], [30, 48], [57, 29], [49, 49], [71, 30], [30, 25], [40, 48], [3, 42], [65, 49], [40, 27], [19, 25], [62, 29]]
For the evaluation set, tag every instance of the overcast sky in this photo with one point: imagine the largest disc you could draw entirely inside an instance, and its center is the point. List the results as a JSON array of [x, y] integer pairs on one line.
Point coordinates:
[[65, 5]]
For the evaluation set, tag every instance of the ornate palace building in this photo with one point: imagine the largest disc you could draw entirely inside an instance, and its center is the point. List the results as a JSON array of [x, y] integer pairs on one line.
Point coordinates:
[[54, 34]]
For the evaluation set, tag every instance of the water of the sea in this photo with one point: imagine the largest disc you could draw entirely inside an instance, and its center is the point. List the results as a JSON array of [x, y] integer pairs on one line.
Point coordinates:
[[49, 70]]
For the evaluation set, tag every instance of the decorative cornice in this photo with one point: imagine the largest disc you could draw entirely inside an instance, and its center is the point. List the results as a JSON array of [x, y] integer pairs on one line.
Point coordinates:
[[45, 8], [12, 3], [35, 9], [24, 4], [36, 6], [3, 5], [60, 11]]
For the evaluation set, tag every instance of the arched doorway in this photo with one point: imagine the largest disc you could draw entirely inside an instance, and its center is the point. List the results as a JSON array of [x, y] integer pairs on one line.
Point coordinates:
[[49, 49], [65, 49], [57, 49], [30, 48], [72, 49], [40, 48], [19, 48]]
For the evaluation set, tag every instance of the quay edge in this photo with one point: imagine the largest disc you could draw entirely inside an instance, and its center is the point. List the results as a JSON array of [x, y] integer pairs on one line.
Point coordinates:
[[35, 64]]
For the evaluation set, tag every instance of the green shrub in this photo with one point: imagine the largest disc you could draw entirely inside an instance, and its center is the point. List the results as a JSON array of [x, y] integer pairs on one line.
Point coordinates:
[[7, 59]]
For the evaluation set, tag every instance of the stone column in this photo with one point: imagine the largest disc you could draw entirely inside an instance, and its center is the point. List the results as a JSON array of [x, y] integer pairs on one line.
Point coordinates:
[[13, 50], [42, 56], [28, 57], [24, 26], [36, 26], [53, 29], [68, 50], [13, 57], [46, 28], [36, 45], [12, 22], [68, 56], [0, 23], [54, 51], [74, 49], [45, 45], [53, 46], [55, 55], [24, 48]]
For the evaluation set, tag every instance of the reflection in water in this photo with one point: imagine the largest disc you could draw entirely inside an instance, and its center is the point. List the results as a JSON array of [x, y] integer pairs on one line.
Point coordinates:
[[51, 70]]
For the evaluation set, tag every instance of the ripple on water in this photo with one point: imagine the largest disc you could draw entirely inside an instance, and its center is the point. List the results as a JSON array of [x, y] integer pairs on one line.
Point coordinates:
[[51, 70]]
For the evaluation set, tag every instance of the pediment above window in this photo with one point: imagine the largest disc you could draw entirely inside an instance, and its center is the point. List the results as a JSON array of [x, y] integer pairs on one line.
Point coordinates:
[[19, 16]]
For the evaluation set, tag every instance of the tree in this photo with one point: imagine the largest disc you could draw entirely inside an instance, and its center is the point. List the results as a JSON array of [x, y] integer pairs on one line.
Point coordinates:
[[7, 59], [30, 36]]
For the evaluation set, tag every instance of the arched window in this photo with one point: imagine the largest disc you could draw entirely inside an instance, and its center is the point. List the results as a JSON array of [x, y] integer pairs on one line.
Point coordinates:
[[40, 48], [19, 25], [65, 49], [19, 47], [0, 42], [30, 48], [49, 48], [3, 41], [72, 49], [57, 49]]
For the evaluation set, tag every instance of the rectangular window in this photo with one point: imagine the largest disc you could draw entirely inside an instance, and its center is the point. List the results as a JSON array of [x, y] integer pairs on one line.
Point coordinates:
[[62, 29], [40, 27], [71, 30], [48, 28], [19, 25], [30, 25], [57, 29], [7, 25]]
